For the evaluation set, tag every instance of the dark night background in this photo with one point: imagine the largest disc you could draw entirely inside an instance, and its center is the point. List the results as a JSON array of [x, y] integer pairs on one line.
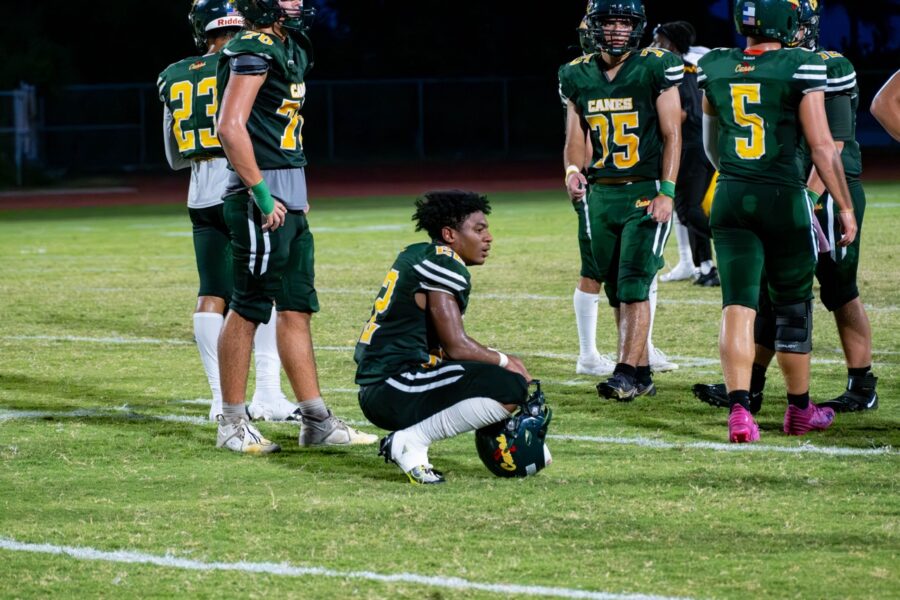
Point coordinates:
[[57, 45]]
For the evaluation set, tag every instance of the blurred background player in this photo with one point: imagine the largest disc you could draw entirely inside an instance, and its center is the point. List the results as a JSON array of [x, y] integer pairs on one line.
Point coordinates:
[[755, 103], [695, 172], [420, 375], [622, 100], [190, 100], [261, 74], [886, 106], [836, 268]]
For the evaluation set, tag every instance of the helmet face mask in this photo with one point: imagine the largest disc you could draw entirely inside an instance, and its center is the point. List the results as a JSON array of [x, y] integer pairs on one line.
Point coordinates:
[[585, 39], [266, 13], [515, 446], [616, 26], [772, 19], [810, 15], [210, 15]]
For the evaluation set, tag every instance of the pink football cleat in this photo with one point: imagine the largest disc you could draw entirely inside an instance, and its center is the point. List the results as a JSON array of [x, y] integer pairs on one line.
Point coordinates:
[[741, 426], [798, 421]]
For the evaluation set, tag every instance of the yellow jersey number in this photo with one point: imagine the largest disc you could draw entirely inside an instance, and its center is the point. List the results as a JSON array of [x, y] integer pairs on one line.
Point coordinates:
[[182, 93], [752, 147], [381, 305], [292, 136], [628, 142]]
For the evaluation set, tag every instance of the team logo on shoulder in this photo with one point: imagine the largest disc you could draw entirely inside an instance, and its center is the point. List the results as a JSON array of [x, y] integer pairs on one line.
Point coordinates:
[[658, 52], [446, 251], [744, 68], [642, 203], [197, 65]]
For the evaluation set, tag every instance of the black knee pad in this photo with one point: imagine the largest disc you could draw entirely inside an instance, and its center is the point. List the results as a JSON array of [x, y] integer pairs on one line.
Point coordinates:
[[793, 328]]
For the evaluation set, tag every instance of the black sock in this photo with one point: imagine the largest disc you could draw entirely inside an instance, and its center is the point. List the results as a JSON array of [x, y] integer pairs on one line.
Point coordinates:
[[799, 400], [757, 378], [642, 374], [859, 372], [741, 397], [626, 369]]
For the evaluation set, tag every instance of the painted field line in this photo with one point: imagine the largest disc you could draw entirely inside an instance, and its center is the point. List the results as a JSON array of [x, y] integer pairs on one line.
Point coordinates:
[[69, 192], [126, 413], [97, 340], [288, 570], [720, 447]]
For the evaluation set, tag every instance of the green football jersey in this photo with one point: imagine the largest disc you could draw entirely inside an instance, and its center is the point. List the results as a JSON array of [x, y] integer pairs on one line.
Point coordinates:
[[188, 89], [841, 81], [398, 336], [275, 123], [621, 114], [757, 96]]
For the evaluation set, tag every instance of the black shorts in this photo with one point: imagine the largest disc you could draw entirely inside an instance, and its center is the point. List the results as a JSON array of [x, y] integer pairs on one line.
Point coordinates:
[[409, 398]]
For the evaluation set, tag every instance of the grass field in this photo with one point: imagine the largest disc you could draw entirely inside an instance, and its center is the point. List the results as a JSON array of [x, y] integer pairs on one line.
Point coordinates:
[[110, 484]]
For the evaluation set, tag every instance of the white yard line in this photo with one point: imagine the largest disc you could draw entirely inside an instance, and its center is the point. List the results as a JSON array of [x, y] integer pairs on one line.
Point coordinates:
[[805, 448], [287, 570]]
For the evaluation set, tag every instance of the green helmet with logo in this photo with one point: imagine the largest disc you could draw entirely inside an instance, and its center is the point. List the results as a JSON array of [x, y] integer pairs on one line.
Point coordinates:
[[209, 15], [515, 447], [773, 19], [810, 15], [599, 11], [265, 13]]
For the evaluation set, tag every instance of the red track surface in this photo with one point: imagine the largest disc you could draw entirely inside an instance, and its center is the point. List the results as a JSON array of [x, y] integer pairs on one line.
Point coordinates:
[[351, 181]]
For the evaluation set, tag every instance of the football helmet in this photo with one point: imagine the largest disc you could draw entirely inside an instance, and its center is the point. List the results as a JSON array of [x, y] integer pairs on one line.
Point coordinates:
[[616, 44], [515, 446], [585, 40], [264, 13], [207, 15], [810, 14], [773, 19]]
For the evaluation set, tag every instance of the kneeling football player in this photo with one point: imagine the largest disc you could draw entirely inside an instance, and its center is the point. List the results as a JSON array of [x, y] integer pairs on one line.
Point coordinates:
[[420, 375]]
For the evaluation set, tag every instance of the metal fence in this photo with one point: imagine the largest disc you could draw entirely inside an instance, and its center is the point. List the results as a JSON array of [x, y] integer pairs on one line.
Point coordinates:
[[90, 128], [102, 128]]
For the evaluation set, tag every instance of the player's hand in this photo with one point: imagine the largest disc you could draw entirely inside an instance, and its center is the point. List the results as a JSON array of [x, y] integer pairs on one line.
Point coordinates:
[[848, 228], [516, 366], [660, 209], [276, 219], [576, 186]]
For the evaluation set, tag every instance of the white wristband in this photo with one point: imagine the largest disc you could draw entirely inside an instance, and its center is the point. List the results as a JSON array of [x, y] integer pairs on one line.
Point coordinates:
[[504, 359], [570, 170]]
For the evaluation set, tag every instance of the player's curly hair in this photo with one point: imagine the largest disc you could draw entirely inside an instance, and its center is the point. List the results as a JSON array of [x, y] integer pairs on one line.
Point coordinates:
[[436, 210]]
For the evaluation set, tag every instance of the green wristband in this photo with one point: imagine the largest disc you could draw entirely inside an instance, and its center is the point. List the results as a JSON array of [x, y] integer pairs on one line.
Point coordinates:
[[263, 197], [812, 195], [667, 188]]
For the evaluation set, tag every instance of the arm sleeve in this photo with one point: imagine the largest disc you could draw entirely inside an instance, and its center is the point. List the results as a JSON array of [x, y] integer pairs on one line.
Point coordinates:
[[840, 117], [248, 64], [176, 161]]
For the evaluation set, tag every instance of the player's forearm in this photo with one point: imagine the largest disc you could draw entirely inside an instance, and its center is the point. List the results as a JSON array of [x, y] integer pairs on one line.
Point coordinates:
[[239, 149], [671, 159], [815, 182], [887, 111], [827, 161], [574, 152], [465, 348], [173, 156]]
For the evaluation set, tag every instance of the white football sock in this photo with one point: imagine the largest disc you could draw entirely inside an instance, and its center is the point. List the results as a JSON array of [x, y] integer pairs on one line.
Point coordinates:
[[685, 256], [268, 365], [314, 409], [706, 266], [654, 285], [586, 308], [468, 415], [207, 326]]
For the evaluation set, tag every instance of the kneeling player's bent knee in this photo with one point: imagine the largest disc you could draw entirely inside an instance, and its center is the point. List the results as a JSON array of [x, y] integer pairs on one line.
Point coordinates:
[[793, 328]]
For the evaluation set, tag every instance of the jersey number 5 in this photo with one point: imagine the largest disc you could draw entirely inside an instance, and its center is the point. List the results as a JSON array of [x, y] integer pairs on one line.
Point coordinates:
[[629, 142], [183, 92], [381, 305], [753, 147]]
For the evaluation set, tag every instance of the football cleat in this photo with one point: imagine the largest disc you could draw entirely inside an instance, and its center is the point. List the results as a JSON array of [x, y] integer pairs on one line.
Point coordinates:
[[711, 279], [243, 437], [742, 428], [273, 407], [716, 395], [597, 365], [331, 431], [860, 395], [645, 389], [620, 386], [394, 450], [659, 362], [679, 272], [798, 421]]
